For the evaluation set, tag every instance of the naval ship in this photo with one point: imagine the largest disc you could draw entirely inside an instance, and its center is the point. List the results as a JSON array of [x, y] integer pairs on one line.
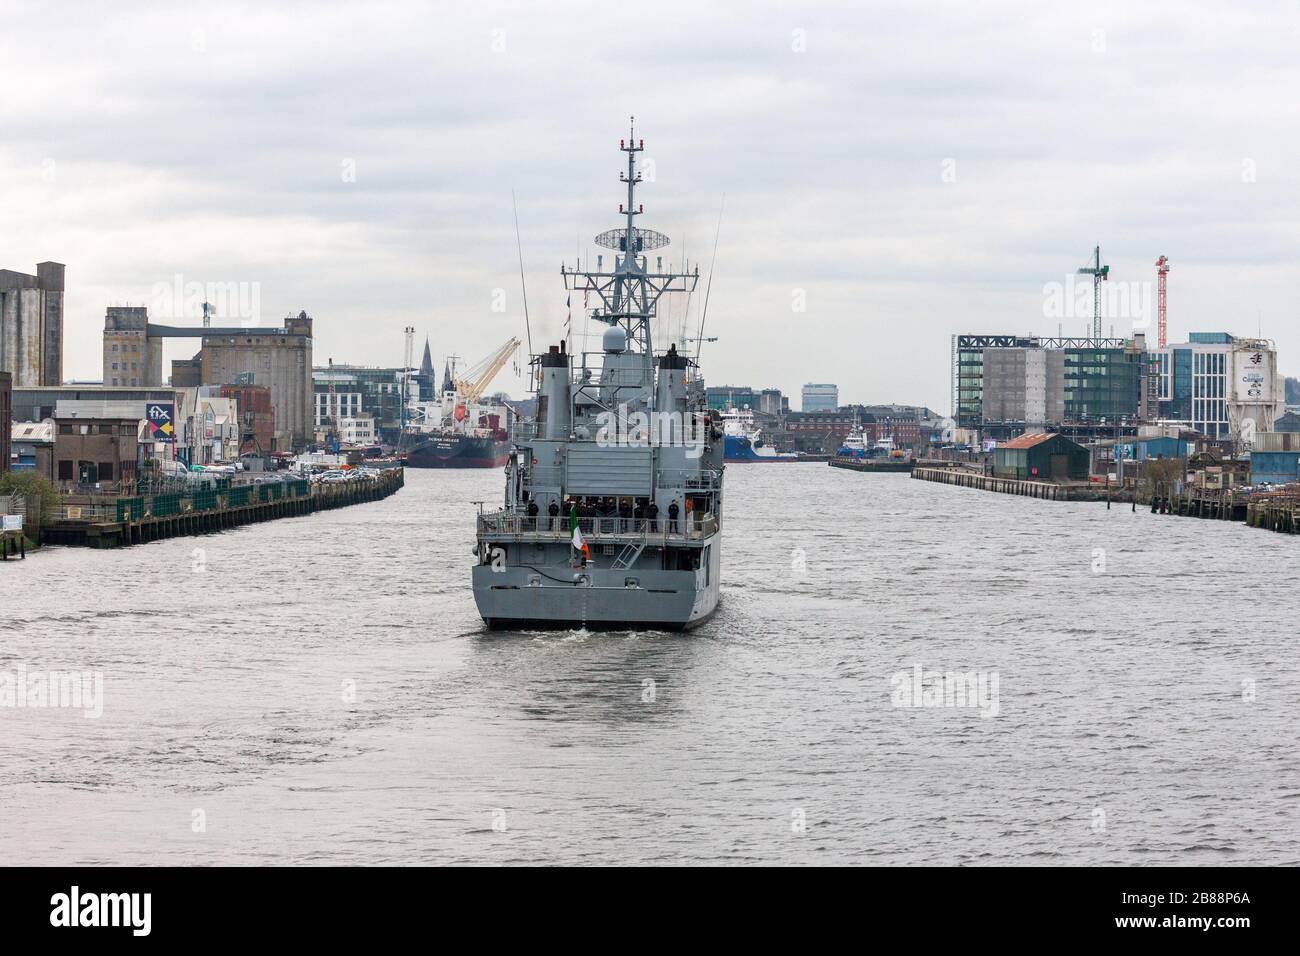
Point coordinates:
[[612, 514]]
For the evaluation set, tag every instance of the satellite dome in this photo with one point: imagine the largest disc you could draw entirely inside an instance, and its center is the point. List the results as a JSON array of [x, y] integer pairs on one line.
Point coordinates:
[[614, 339]]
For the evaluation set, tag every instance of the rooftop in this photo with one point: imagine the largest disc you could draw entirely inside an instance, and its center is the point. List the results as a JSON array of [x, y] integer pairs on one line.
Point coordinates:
[[1029, 441]]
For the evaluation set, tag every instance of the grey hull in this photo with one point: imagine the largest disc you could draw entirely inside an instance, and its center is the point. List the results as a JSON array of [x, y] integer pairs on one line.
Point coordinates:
[[526, 598]]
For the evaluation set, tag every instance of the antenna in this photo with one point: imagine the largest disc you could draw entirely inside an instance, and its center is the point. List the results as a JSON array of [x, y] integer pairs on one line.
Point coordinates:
[[522, 284], [708, 286]]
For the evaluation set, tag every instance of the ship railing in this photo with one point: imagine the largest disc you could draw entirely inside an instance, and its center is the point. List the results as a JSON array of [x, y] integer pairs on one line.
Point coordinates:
[[596, 529], [525, 431], [691, 479]]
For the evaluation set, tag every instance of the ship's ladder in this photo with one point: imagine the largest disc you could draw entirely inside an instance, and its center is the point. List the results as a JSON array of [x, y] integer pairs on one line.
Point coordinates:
[[631, 551]]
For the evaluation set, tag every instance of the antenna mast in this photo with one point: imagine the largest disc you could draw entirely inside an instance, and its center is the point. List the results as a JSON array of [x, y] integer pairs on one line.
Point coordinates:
[[630, 294]]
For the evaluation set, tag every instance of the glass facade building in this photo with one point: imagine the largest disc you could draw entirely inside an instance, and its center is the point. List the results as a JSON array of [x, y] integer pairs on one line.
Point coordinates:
[[1104, 378]]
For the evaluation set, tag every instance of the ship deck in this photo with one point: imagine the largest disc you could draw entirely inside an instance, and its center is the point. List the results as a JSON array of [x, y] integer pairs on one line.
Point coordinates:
[[508, 526]]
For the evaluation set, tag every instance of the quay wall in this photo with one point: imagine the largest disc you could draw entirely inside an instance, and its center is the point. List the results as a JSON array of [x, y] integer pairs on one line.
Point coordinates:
[[130, 521]]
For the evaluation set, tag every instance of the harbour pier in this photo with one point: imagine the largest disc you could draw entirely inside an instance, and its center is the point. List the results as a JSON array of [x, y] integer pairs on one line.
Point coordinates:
[[126, 521], [1027, 487], [868, 465]]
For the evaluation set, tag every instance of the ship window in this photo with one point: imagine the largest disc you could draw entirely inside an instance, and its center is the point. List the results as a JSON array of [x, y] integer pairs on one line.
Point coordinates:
[[631, 583], [534, 580]]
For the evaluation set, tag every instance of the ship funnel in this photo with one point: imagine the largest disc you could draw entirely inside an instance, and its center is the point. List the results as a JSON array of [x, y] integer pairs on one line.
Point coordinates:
[[671, 387], [554, 410]]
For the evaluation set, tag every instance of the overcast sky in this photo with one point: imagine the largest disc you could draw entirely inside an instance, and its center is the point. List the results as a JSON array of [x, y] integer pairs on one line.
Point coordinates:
[[901, 175]]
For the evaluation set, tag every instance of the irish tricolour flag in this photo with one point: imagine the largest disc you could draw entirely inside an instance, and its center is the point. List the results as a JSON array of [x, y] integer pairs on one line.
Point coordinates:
[[578, 543]]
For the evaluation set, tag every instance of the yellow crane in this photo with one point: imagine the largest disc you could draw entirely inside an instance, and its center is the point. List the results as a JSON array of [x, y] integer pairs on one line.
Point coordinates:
[[476, 380]]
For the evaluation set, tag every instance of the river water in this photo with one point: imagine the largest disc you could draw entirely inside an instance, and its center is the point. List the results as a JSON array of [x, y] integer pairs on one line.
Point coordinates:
[[320, 690]]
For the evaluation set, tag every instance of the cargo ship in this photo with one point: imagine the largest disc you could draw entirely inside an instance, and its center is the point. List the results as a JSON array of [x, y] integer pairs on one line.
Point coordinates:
[[458, 430], [451, 450]]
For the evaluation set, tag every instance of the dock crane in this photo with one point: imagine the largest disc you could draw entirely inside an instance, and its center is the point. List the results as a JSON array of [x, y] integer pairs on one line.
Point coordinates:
[[1162, 270], [1100, 274], [477, 378]]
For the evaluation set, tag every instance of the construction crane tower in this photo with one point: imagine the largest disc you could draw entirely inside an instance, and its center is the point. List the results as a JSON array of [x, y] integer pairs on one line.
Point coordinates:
[[1100, 274], [1162, 270]]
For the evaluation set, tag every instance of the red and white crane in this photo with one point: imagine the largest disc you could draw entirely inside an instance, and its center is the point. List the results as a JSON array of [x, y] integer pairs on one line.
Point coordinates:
[[1162, 270]]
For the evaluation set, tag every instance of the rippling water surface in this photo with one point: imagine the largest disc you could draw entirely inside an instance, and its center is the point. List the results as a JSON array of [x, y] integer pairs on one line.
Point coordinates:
[[322, 691]]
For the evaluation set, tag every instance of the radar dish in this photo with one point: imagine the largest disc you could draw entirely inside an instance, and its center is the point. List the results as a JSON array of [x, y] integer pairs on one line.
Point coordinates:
[[645, 239]]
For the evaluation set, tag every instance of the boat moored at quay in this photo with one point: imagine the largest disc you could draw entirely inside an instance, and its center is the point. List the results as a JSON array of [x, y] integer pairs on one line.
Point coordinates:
[[612, 514]]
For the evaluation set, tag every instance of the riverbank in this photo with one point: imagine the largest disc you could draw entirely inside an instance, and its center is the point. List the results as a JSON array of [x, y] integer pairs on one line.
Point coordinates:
[[139, 520]]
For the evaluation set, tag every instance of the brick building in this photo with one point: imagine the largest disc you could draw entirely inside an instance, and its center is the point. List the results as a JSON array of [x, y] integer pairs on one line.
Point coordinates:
[[90, 451], [256, 417]]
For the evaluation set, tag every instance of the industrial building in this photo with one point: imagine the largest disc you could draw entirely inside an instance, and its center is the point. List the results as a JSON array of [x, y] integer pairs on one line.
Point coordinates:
[[32, 448], [277, 358], [95, 443], [6, 416], [38, 404], [1275, 458], [131, 356], [820, 397], [1045, 457], [256, 417], [1216, 382], [31, 325]]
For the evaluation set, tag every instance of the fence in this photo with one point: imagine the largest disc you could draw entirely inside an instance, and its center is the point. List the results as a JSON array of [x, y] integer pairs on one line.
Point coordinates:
[[216, 496]]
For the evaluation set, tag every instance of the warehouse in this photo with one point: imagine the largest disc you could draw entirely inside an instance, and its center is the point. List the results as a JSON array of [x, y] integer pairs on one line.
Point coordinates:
[[1047, 457]]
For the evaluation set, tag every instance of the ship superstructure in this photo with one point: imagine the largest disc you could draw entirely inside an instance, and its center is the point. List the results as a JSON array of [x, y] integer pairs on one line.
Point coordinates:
[[612, 514]]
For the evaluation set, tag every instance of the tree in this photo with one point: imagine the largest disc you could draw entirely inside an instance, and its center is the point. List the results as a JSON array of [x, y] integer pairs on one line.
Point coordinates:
[[30, 483]]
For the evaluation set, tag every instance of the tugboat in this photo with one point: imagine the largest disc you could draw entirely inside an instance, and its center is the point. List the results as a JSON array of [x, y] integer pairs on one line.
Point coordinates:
[[612, 513]]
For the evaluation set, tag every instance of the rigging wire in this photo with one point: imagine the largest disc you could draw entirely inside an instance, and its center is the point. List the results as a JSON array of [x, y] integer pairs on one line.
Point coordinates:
[[522, 284], [704, 314]]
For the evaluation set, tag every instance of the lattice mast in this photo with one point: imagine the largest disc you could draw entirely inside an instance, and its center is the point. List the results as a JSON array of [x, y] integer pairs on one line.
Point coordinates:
[[1100, 273], [629, 295], [1162, 270]]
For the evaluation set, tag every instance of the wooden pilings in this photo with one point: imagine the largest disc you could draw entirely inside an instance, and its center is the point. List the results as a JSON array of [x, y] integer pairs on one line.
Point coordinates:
[[1275, 514], [1007, 486]]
